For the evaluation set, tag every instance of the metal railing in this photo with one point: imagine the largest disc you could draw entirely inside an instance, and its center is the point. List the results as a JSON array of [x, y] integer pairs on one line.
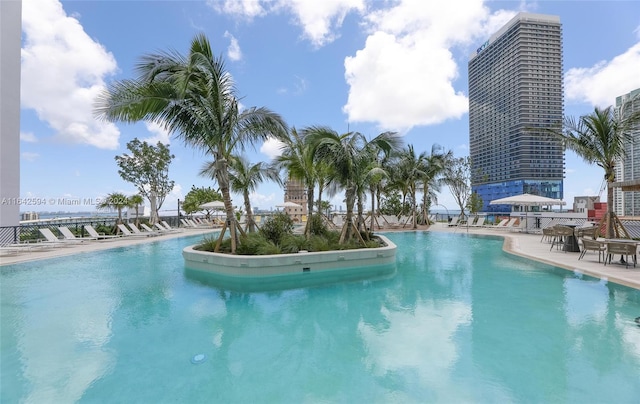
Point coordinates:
[[30, 232]]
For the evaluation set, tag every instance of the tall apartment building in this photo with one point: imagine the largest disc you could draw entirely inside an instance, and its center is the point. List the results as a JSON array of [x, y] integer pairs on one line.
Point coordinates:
[[515, 90], [628, 203]]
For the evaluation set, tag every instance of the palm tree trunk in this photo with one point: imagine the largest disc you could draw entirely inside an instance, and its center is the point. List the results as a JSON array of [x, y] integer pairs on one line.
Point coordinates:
[[425, 197], [222, 176], [347, 229], [610, 211], [307, 228], [373, 207], [251, 227], [413, 210]]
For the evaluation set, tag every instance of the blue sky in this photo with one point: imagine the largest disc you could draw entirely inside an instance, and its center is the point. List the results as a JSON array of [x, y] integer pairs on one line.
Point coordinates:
[[358, 65]]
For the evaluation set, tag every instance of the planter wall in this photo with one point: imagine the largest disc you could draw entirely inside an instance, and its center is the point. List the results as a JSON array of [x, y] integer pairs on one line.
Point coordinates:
[[285, 271]]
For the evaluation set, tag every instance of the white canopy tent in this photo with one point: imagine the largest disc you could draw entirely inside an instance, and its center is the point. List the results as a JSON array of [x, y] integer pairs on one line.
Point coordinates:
[[527, 200]]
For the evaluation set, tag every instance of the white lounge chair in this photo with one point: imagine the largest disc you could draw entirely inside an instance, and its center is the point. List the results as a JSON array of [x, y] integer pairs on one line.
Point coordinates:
[[145, 232], [479, 222], [68, 235], [51, 238], [127, 233], [168, 226], [454, 221], [99, 236]]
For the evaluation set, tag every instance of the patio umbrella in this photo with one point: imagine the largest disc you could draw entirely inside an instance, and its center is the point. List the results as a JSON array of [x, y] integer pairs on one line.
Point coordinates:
[[212, 205], [527, 200]]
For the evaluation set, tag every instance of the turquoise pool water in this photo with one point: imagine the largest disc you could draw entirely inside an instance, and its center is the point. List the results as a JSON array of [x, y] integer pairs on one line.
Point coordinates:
[[461, 321]]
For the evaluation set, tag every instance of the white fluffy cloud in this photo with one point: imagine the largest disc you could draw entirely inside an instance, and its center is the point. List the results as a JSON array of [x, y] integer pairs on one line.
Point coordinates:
[[247, 9], [404, 76], [63, 70], [272, 148], [600, 84], [234, 52], [28, 137], [28, 156], [320, 20], [159, 134]]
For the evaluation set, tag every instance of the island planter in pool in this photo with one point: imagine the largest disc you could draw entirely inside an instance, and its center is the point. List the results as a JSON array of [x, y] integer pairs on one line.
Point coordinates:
[[289, 271]]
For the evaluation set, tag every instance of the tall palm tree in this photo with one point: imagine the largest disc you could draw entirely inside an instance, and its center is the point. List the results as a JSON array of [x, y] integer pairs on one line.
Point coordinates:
[[412, 168], [599, 138], [194, 97], [436, 164], [244, 178], [115, 201], [298, 161], [135, 201], [347, 154]]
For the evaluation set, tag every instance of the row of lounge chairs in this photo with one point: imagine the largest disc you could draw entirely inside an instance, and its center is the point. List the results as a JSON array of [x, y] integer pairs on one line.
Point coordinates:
[[68, 238]]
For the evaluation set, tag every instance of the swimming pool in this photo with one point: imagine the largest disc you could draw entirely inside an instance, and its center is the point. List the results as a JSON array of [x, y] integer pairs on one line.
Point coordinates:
[[460, 321]]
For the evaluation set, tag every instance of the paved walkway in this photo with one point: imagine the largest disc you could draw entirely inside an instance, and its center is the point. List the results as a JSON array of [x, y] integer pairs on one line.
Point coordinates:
[[93, 245], [525, 245], [529, 246]]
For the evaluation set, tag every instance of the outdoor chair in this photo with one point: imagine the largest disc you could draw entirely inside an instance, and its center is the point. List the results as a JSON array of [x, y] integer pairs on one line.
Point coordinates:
[[51, 238], [560, 234], [587, 232], [146, 231], [98, 236], [68, 235], [593, 245], [624, 249], [547, 234], [127, 233]]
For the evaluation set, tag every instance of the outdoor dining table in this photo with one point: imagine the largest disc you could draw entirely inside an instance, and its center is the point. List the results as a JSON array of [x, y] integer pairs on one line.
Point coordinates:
[[571, 242]]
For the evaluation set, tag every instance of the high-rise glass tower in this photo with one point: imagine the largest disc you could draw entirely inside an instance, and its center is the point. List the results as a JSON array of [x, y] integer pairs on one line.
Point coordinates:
[[515, 90], [628, 203]]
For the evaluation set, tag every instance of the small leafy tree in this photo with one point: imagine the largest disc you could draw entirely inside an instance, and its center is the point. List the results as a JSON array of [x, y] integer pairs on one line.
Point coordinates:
[[475, 203], [197, 196], [147, 167], [458, 178]]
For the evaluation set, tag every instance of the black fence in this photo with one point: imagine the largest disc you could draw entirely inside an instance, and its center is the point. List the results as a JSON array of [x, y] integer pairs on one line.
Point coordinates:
[[30, 232]]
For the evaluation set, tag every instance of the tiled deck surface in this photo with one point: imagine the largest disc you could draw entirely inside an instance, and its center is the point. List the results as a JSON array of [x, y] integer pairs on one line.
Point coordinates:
[[526, 245]]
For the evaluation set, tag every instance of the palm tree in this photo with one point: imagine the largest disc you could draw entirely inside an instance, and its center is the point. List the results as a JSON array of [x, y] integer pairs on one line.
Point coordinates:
[[347, 154], [244, 178], [115, 201], [600, 138], [194, 97], [412, 169], [436, 164], [135, 201], [298, 161]]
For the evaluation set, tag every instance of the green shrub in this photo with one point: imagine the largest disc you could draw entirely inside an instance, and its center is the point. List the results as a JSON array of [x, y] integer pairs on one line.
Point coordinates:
[[207, 244], [293, 243], [317, 226], [276, 227], [252, 243], [318, 243]]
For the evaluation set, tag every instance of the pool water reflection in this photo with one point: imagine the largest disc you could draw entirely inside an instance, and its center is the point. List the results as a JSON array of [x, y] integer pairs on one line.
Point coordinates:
[[460, 321]]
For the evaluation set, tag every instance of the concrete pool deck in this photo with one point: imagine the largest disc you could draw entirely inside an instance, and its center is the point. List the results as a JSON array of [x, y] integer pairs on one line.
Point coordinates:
[[522, 244]]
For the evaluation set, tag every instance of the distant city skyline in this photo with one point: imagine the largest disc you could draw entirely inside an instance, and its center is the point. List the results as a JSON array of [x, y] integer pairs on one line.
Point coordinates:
[[366, 66]]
